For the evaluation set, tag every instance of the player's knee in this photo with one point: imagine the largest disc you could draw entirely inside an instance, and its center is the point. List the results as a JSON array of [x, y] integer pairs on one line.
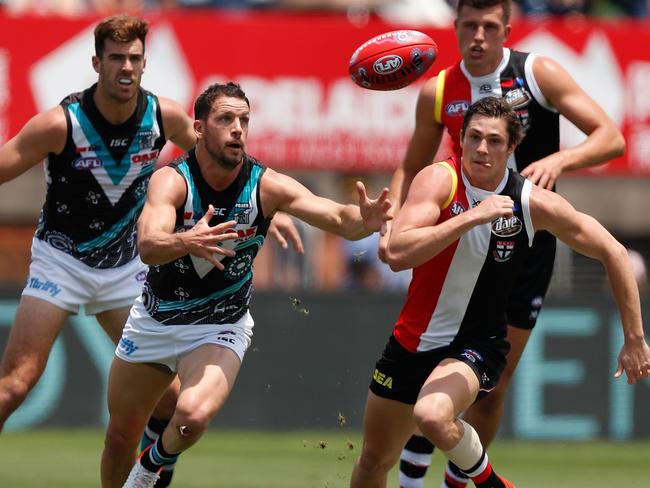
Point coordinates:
[[192, 421], [121, 438], [372, 463], [18, 382], [436, 423]]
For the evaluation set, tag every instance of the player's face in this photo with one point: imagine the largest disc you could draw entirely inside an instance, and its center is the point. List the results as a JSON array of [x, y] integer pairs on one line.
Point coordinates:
[[120, 69], [224, 133], [481, 34], [485, 151]]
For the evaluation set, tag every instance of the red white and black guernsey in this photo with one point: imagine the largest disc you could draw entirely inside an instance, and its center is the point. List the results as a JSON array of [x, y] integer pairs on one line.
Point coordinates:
[[457, 89], [462, 293]]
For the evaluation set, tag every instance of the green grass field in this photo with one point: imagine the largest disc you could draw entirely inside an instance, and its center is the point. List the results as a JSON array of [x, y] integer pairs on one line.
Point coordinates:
[[242, 459]]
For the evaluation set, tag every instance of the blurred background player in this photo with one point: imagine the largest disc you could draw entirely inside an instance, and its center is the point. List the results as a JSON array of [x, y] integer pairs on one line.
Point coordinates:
[[539, 90]]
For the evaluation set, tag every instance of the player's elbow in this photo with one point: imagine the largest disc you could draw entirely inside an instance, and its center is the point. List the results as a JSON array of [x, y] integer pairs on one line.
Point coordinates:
[[618, 145], [145, 251], [396, 260]]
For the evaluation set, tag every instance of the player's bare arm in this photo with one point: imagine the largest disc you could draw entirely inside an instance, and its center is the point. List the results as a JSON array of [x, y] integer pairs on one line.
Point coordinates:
[[587, 236], [417, 237], [421, 150], [177, 124], [423, 145], [43, 134], [157, 242], [353, 222], [604, 140]]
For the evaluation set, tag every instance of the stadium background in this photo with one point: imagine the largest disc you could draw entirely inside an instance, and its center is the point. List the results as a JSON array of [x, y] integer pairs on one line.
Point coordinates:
[[320, 326]]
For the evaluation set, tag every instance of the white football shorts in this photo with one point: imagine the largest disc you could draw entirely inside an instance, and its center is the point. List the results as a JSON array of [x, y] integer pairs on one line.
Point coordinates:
[[66, 282], [145, 340]]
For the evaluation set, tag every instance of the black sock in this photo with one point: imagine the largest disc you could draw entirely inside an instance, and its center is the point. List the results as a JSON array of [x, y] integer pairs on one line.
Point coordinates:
[[157, 457], [414, 461]]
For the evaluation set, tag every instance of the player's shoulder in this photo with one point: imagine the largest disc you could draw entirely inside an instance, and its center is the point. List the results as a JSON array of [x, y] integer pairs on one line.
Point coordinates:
[[170, 107], [50, 123]]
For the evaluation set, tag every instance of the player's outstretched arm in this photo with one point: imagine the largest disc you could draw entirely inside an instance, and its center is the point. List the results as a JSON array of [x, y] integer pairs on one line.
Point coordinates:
[[157, 241], [353, 222], [421, 150], [43, 134], [417, 236], [586, 235], [179, 127], [604, 140]]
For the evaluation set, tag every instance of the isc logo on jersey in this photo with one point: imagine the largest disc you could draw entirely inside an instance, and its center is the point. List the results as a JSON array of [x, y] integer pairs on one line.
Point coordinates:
[[83, 164], [506, 227]]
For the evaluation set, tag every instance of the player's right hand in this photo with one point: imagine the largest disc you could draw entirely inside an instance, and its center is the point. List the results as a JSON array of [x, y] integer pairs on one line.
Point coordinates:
[[204, 241], [493, 207]]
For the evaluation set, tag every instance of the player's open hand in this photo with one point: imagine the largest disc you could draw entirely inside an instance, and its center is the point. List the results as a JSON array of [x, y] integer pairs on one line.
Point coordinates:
[[206, 242], [493, 207], [284, 230], [545, 172], [374, 211], [634, 360]]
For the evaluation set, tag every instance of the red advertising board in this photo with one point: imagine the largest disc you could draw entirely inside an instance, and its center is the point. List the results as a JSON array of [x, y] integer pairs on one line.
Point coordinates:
[[306, 112]]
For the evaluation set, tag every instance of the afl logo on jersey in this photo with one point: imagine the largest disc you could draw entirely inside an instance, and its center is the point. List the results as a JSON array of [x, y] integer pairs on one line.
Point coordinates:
[[457, 208], [456, 108], [503, 227], [82, 164]]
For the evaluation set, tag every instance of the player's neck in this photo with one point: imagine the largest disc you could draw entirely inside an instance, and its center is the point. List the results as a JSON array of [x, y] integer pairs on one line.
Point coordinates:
[[114, 111], [214, 173], [483, 67]]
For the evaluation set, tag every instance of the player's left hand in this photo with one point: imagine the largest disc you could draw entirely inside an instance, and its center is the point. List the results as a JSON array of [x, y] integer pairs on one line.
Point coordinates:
[[374, 211], [284, 230], [634, 359], [544, 172]]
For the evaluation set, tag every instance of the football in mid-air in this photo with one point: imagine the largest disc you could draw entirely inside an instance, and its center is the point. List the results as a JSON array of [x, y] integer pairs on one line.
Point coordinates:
[[392, 60]]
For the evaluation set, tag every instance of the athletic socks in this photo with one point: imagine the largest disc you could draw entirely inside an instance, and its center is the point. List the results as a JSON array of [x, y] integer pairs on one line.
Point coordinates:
[[154, 458], [154, 429], [454, 477], [414, 462]]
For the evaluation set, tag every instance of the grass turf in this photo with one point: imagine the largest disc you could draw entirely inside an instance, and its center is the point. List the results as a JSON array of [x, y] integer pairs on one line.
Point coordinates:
[[251, 459]]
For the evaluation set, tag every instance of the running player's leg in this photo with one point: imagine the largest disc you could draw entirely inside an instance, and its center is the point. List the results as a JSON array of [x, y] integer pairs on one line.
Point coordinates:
[[35, 328], [525, 303], [207, 375], [133, 391], [112, 321], [382, 440]]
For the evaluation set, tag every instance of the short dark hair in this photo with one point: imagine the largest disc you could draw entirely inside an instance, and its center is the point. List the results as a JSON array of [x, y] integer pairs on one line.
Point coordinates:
[[497, 108], [481, 4], [205, 100], [120, 28]]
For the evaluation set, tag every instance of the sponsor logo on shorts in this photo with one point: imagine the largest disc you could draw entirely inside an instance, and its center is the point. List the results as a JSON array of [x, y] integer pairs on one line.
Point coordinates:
[[141, 276], [46, 286], [224, 337], [127, 346], [382, 379], [472, 355]]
